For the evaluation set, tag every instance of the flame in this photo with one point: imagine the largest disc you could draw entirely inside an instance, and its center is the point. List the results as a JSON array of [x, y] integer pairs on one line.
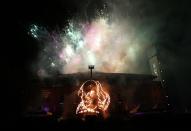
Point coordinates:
[[93, 98]]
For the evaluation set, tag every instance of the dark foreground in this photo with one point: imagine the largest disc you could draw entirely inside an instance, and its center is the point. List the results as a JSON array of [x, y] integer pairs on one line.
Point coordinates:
[[139, 121]]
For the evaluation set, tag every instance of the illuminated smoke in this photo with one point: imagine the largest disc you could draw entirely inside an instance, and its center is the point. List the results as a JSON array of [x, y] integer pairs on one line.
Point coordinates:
[[109, 41]]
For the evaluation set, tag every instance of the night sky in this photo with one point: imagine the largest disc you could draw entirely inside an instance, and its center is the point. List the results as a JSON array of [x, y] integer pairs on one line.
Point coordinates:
[[173, 42]]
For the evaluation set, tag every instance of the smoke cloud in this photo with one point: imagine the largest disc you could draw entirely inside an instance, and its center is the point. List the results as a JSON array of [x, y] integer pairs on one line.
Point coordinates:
[[114, 38]]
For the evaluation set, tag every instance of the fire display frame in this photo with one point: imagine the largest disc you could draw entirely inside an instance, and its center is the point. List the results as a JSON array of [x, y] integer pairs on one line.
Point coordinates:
[[127, 92]]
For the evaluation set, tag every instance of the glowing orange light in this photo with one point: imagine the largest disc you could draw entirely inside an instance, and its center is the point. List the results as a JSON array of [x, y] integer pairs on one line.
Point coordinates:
[[93, 98]]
